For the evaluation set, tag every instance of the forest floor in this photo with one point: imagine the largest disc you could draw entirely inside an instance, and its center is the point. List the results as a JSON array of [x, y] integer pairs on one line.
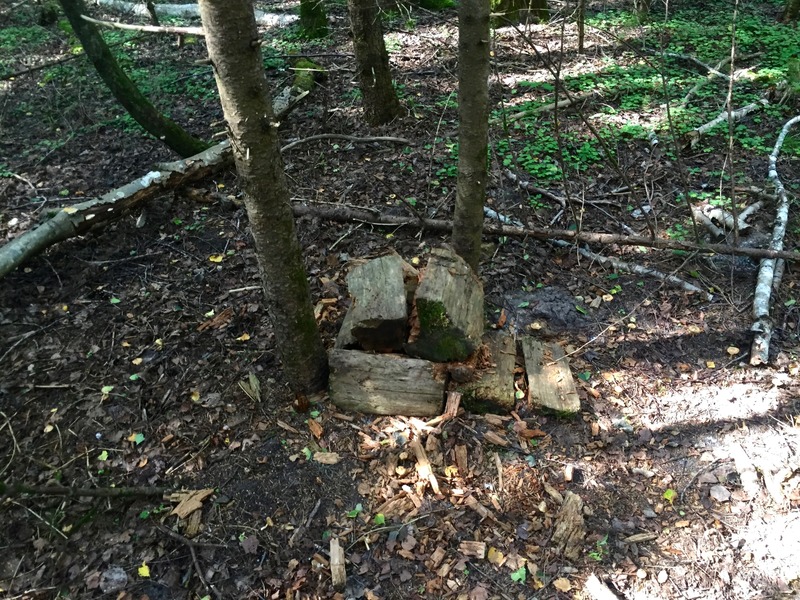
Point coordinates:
[[123, 351]]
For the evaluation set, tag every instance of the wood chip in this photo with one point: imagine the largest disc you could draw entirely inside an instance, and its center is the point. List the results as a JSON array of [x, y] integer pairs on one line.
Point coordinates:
[[338, 570], [493, 438], [471, 548], [190, 502]]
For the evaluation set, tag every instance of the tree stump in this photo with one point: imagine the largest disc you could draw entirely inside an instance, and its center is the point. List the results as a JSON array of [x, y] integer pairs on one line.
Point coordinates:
[[493, 387], [447, 320]]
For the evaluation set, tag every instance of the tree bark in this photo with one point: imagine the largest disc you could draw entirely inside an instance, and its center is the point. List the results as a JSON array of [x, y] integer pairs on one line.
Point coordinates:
[[520, 11], [791, 11], [372, 63], [313, 19], [124, 90], [473, 114], [234, 49]]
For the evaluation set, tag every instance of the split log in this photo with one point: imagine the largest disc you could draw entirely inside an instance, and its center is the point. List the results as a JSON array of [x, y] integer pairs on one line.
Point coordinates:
[[447, 320], [378, 319], [570, 530], [550, 382], [385, 384], [493, 387]]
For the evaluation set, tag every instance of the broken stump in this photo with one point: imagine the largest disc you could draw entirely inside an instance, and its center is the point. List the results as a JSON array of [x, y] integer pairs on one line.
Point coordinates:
[[447, 321], [385, 384], [550, 382]]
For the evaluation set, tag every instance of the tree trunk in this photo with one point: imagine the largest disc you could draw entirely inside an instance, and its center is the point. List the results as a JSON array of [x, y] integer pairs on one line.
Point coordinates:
[[234, 50], [473, 115], [372, 62], [642, 8], [791, 11], [581, 21], [520, 11], [313, 19], [124, 90]]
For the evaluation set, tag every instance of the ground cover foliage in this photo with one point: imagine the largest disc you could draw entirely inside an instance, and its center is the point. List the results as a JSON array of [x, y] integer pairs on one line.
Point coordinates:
[[135, 357]]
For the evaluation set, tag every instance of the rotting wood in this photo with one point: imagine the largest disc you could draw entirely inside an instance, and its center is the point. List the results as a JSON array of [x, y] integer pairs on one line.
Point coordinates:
[[570, 529], [460, 455], [385, 384], [451, 407], [378, 318], [550, 382], [447, 320], [494, 386], [337, 564]]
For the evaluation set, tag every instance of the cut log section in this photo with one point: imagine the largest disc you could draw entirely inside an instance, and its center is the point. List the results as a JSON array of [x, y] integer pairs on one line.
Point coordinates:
[[385, 384], [550, 382], [493, 388], [447, 323], [378, 319]]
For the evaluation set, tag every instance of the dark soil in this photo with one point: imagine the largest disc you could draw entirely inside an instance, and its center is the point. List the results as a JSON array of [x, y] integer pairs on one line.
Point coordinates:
[[123, 354]]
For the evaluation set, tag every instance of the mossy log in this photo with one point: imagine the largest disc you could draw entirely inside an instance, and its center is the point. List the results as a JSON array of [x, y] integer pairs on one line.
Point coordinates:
[[550, 382], [385, 384], [447, 321]]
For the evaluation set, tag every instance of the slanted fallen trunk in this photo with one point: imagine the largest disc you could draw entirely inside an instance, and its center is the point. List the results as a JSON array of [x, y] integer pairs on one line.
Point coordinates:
[[78, 219]]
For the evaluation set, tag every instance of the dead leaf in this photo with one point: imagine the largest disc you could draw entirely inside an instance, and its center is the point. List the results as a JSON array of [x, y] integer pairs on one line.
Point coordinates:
[[495, 556], [315, 428], [190, 502], [250, 544], [562, 584], [327, 458]]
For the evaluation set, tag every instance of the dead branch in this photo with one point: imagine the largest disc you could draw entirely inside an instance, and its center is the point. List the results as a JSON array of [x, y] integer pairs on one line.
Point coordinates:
[[763, 324], [691, 138], [146, 28], [19, 489], [441, 225], [620, 265]]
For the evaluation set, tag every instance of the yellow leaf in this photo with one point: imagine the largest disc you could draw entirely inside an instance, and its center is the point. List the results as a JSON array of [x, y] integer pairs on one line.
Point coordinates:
[[126, 344], [216, 258], [562, 584], [711, 364], [220, 186], [132, 437], [243, 338], [495, 556], [65, 308], [137, 361], [159, 344], [144, 570], [195, 395]]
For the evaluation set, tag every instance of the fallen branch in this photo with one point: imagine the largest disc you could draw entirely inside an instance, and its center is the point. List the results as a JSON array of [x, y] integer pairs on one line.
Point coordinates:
[[343, 214], [638, 270], [78, 219], [763, 324], [147, 28], [691, 138], [18, 489]]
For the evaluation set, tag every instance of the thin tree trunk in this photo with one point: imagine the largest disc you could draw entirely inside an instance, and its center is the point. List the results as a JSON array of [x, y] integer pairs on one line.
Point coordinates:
[[519, 11], [124, 90], [581, 20], [473, 114], [313, 19], [234, 49], [372, 62], [791, 11]]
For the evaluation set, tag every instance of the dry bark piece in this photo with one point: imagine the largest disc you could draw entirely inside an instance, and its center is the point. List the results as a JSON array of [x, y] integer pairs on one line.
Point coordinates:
[[338, 570], [384, 384], [472, 548], [424, 468], [550, 382], [448, 310], [570, 530]]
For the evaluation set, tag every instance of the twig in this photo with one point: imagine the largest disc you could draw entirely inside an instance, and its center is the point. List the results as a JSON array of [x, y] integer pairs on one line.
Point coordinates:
[[14, 447], [192, 545], [349, 138], [18, 489], [302, 529], [763, 325]]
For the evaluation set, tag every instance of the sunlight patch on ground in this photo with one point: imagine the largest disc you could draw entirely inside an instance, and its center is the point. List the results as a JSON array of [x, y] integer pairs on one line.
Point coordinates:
[[707, 403]]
